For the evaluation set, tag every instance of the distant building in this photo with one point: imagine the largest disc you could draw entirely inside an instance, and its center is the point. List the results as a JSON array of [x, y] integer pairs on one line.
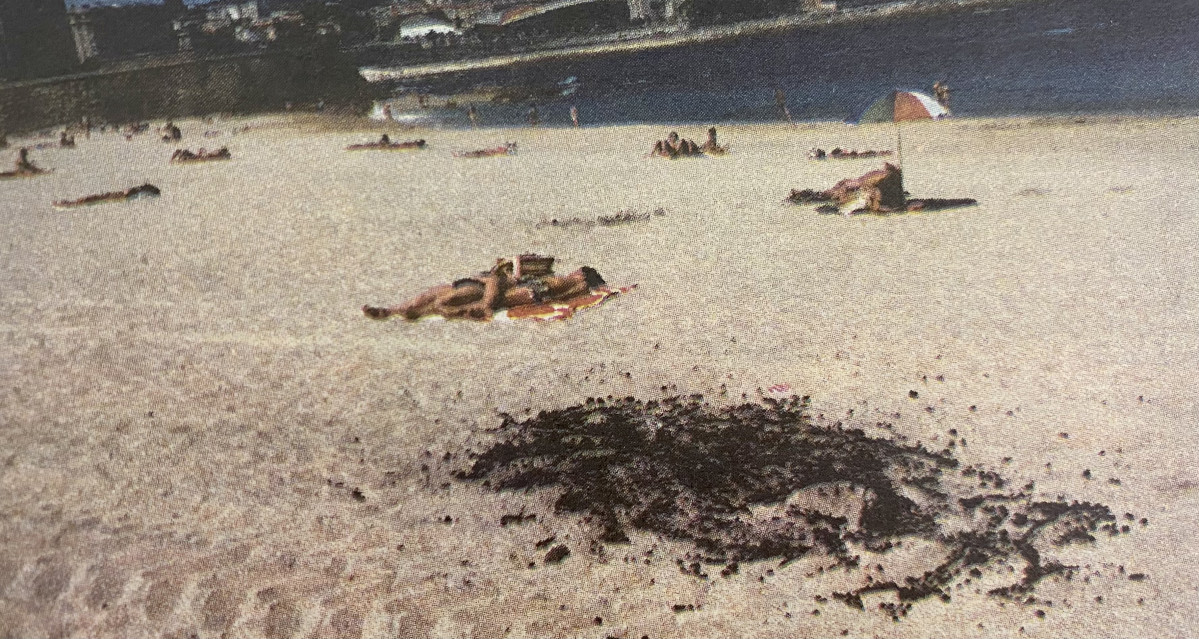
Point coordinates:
[[84, 34], [230, 12], [422, 25], [118, 32], [35, 39]]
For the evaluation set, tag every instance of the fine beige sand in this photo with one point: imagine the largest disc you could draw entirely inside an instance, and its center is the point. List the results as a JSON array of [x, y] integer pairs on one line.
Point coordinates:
[[190, 394]]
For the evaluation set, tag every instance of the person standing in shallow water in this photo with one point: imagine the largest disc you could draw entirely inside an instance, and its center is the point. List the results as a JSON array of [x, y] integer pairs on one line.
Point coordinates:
[[534, 115], [941, 93], [574, 115], [473, 114], [780, 101]]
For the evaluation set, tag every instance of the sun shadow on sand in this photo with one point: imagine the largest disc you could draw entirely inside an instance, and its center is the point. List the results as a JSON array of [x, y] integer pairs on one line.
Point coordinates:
[[757, 482]]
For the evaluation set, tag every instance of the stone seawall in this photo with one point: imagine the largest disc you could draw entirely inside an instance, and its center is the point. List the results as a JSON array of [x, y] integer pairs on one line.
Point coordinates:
[[183, 86]]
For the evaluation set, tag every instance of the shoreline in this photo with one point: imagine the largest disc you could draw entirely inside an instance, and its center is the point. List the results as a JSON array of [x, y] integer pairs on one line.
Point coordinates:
[[680, 36]]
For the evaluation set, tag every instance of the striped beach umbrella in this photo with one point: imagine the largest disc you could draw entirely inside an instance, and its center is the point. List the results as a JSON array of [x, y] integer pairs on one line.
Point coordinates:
[[903, 106], [899, 107]]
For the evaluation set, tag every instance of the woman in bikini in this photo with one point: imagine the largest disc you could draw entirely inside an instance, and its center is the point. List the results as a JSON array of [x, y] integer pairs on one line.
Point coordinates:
[[480, 297]]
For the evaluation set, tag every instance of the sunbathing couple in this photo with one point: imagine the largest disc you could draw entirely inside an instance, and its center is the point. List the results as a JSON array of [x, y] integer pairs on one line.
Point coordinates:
[[134, 193], [879, 191], [508, 148], [527, 280], [841, 154], [203, 155], [675, 147], [386, 144], [24, 167]]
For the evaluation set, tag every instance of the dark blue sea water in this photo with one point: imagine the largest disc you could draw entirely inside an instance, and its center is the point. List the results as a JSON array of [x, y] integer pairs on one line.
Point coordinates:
[[1036, 57]]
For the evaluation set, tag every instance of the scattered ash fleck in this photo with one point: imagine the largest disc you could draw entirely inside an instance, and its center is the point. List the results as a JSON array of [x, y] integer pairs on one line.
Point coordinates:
[[765, 482], [557, 554]]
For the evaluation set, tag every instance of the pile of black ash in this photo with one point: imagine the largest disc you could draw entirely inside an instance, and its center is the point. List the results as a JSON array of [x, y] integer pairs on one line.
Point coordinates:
[[755, 482]]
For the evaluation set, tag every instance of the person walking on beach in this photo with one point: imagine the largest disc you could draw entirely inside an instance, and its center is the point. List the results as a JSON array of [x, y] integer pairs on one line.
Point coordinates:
[[534, 116], [574, 115], [473, 114]]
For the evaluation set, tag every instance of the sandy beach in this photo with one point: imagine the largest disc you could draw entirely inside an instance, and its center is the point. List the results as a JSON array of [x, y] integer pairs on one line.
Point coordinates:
[[201, 434]]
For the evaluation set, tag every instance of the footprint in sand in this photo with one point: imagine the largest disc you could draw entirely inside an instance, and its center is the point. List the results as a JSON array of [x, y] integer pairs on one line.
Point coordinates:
[[345, 623], [220, 610], [51, 581], [162, 599], [107, 587], [283, 619]]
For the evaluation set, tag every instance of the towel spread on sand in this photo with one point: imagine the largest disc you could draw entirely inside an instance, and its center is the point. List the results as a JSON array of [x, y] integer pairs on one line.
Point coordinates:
[[782, 389], [552, 311], [565, 309], [912, 206]]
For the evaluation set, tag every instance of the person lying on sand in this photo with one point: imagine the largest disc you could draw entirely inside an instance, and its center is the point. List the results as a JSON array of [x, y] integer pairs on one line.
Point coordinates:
[[675, 147], [842, 154], [181, 156], [881, 190], [711, 146], [134, 193], [386, 144], [481, 296], [878, 191], [509, 148]]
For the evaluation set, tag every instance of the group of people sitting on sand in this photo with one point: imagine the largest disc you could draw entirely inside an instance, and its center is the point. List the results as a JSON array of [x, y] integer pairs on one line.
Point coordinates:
[[171, 133], [507, 148], [66, 141], [879, 192], [511, 283], [181, 156], [842, 154], [24, 166], [675, 147], [384, 143]]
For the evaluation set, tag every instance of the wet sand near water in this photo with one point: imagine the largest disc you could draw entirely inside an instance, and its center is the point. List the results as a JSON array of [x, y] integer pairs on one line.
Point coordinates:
[[203, 434]]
